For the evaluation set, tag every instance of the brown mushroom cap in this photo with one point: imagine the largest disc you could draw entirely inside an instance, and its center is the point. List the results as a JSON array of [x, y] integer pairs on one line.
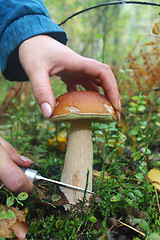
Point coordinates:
[[83, 105]]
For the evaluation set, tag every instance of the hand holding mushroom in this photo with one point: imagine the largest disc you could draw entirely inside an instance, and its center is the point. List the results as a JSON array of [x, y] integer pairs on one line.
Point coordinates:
[[42, 57]]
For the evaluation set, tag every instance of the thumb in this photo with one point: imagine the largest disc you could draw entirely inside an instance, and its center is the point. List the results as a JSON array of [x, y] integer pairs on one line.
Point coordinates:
[[43, 93], [11, 175]]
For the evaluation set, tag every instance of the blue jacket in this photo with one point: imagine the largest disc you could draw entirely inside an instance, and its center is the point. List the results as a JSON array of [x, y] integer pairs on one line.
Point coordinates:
[[20, 20]]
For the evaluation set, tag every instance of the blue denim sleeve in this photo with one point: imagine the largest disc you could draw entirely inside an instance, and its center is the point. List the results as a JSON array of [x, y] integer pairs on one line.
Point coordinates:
[[20, 20]]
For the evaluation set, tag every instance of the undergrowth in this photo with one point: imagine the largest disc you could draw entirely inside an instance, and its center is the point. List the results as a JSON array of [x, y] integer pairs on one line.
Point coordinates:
[[125, 204]]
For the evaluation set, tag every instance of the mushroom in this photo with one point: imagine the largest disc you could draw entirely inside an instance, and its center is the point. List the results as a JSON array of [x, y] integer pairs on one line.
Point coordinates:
[[81, 108]]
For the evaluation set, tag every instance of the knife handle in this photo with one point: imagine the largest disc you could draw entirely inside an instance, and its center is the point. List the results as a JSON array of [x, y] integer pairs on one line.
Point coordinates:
[[30, 173]]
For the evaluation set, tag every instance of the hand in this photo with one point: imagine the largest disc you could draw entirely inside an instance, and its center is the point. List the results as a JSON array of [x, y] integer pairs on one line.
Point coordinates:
[[10, 174], [42, 57]]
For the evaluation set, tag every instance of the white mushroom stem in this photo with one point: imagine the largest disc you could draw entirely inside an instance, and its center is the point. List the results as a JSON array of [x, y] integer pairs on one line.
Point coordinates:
[[78, 160]]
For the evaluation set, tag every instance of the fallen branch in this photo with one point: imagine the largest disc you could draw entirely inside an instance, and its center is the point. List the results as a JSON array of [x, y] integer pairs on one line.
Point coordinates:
[[109, 4], [151, 90], [143, 92], [134, 229], [157, 200]]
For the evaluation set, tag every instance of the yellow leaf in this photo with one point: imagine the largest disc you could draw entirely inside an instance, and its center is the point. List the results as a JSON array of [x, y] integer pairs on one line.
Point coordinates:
[[58, 142], [156, 28], [154, 177], [156, 185], [98, 173]]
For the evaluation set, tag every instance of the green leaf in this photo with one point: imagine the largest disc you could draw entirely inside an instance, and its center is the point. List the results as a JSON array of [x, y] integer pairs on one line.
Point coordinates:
[[111, 142], [98, 132], [116, 198], [2, 238], [10, 201], [139, 139], [143, 123], [129, 201], [92, 219], [133, 104], [59, 223], [99, 35], [5, 214], [55, 197], [136, 156], [132, 109], [146, 151], [141, 108], [98, 139], [139, 176], [138, 98], [134, 132], [154, 236], [138, 193], [158, 124], [22, 196], [142, 223], [123, 137]]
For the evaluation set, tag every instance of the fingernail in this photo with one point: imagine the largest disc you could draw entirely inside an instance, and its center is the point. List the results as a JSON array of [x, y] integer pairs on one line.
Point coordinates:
[[119, 104], [46, 110], [25, 159], [118, 115]]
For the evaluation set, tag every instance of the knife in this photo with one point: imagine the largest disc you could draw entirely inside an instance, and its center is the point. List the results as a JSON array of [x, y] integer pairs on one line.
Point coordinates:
[[34, 176]]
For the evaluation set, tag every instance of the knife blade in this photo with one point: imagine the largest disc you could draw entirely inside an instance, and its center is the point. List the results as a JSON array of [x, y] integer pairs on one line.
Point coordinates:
[[34, 176]]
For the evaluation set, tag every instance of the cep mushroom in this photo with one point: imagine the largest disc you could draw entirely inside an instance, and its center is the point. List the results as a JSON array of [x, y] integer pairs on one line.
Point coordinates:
[[81, 108]]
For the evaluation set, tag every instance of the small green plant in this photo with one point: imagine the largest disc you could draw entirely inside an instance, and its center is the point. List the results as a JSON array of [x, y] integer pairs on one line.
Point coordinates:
[[19, 198], [6, 214], [123, 153]]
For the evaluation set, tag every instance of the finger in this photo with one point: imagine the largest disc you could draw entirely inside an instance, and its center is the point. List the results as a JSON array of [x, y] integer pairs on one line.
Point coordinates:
[[11, 175], [97, 82], [90, 85], [71, 88], [14, 155], [108, 82], [43, 93], [109, 85], [32, 55]]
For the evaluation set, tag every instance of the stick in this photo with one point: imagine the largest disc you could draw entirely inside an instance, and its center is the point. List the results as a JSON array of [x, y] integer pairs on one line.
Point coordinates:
[[134, 229], [157, 200], [109, 4]]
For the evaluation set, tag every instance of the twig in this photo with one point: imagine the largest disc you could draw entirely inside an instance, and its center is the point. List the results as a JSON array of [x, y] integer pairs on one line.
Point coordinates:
[[157, 200], [104, 235], [134, 229], [130, 179], [40, 215], [145, 91], [109, 4], [150, 90]]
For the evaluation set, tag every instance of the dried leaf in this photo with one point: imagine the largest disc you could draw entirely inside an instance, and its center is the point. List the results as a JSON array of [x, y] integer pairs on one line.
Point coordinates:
[[98, 173], [6, 224], [154, 177], [20, 229], [156, 27]]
